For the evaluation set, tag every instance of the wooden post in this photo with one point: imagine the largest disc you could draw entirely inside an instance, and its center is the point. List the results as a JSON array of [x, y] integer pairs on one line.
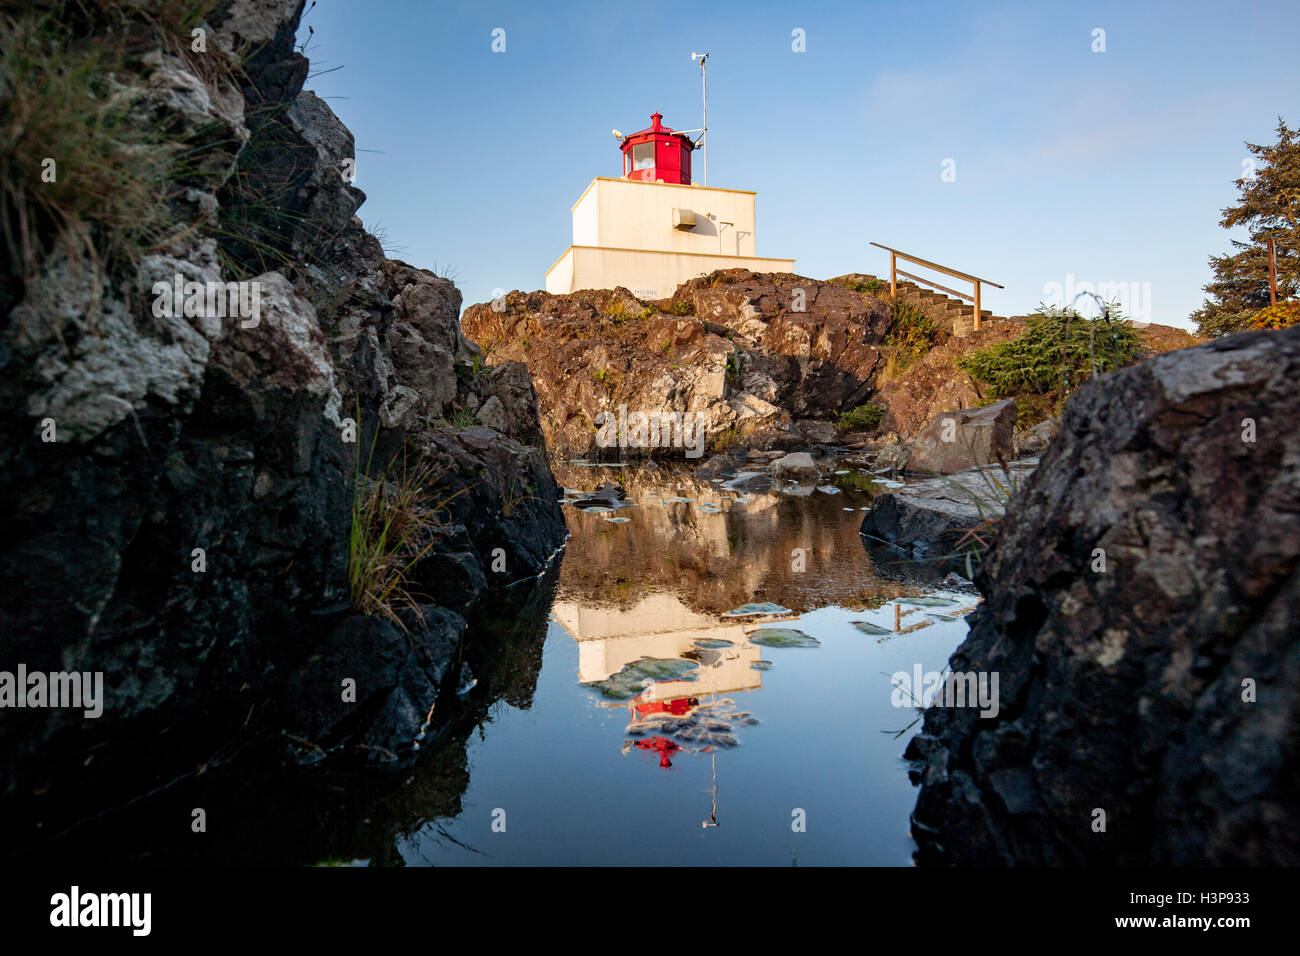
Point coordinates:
[[898, 617], [893, 276], [1272, 274], [977, 306]]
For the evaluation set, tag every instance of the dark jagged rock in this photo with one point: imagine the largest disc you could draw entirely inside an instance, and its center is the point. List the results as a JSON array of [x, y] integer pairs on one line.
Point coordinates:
[[177, 433], [1163, 690]]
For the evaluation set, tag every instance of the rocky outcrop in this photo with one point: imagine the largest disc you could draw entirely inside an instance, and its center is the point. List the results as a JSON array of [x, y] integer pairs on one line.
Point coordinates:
[[753, 357], [1140, 608], [180, 485]]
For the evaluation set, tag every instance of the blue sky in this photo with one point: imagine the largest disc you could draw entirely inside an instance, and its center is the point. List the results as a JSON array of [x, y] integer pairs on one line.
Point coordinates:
[[1111, 167]]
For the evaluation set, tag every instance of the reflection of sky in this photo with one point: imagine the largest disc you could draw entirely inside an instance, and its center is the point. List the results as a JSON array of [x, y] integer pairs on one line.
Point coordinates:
[[571, 796]]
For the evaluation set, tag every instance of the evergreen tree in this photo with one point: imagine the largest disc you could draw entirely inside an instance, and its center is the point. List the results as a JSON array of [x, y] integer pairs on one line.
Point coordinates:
[[1269, 206]]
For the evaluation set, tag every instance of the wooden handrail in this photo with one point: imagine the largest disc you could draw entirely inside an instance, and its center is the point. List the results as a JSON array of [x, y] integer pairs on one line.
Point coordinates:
[[894, 272]]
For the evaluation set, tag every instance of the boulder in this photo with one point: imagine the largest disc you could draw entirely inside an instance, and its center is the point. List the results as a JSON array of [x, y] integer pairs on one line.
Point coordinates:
[[958, 440], [798, 466], [1140, 609], [1034, 441], [893, 457]]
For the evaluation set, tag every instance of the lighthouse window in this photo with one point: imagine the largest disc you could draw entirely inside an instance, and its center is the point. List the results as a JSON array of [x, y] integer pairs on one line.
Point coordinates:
[[643, 156]]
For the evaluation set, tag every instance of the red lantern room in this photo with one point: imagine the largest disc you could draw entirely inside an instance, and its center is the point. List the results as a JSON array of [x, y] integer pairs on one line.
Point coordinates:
[[657, 153]]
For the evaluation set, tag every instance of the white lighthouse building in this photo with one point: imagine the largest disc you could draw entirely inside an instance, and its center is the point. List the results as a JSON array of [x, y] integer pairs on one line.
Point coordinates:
[[652, 229]]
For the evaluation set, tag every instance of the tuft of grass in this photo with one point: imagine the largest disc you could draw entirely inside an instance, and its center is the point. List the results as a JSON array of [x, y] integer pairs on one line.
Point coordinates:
[[461, 418], [393, 519], [77, 158]]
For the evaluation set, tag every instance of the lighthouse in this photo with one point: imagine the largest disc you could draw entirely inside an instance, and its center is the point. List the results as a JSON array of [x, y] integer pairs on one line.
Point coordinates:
[[651, 229]]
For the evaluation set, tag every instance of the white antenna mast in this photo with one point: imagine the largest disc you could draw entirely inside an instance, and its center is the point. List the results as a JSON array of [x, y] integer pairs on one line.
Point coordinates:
[[704, 132]]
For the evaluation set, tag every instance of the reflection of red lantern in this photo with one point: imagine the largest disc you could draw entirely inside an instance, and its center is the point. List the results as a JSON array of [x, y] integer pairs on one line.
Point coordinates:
[[663, 745], [677, 707], [657, 154]]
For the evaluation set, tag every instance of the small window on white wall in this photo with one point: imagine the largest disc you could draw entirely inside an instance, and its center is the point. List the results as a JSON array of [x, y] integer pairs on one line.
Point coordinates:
[[643, 156]]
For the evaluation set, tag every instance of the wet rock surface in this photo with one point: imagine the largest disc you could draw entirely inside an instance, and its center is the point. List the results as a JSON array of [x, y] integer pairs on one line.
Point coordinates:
[[1163, 690]]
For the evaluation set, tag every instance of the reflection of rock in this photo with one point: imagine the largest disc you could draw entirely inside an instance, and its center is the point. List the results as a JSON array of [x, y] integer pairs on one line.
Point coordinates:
[[724, 548], [283, 816]]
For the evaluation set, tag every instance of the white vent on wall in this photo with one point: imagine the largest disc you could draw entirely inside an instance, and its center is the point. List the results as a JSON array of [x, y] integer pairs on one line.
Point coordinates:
[[683, 219]]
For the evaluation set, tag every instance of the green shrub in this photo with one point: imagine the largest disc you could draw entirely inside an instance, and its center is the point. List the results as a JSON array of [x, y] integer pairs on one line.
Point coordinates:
[[911, 333], [864, 418], [1041, 359]]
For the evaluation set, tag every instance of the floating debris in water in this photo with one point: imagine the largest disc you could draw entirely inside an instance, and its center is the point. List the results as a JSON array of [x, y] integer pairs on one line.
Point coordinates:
[[926, 601], [868, 628], [573, 491], [888, 483], [598, 510], [761, 666], [941, 617], [828, 489], [635, 677], [745, 610], [712, 643], [783, 637], [618, 520], [676, 501], [842, 471], [850, 509], [567, 501]]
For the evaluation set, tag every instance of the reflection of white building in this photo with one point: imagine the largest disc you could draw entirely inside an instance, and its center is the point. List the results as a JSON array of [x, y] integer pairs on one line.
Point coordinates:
[[662, 627], [652, 229]]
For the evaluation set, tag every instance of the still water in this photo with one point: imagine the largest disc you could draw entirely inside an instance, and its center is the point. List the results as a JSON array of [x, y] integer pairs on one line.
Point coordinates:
[[714, 689]]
